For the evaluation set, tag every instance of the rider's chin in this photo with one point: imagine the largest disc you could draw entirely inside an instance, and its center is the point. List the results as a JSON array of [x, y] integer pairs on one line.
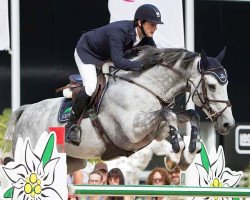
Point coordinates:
[[149, 35]]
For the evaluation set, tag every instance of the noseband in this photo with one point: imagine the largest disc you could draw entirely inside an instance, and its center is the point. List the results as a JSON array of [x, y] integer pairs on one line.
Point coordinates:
[[204, 99]]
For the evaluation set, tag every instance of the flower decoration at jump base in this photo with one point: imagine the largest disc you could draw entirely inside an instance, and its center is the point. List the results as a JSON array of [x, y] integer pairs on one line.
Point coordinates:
[[216, 174], [36, 174]]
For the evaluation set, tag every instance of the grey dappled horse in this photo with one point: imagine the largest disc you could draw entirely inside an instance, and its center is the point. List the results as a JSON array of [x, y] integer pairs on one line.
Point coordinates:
[[133, 114]]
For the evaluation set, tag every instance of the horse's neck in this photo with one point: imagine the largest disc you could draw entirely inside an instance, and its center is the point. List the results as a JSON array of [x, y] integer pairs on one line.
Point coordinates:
[[166, 83]]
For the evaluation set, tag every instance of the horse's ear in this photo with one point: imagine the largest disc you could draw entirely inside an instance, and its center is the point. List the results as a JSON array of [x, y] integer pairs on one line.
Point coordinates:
[[203, 61], [220, 57]]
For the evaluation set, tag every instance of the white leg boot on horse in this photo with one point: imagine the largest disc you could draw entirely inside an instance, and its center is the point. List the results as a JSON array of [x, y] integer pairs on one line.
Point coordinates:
[[173, 157], [71, 129], [194, 146]]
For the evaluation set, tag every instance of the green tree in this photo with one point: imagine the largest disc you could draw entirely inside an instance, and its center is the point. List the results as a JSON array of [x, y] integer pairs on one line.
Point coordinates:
[[4, 118], [246, 177]]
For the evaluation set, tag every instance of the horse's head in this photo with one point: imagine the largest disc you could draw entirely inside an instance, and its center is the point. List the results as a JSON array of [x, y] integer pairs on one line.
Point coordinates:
[[211, 92]]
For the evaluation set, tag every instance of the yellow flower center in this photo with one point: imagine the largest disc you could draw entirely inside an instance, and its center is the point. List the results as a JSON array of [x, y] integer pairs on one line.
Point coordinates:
[[28, 188], [33, 178], [38, 189], [216, 183], [32, 185]]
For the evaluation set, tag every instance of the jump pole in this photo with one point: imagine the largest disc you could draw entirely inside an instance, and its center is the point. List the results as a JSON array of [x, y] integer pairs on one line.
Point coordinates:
[[149, 190]]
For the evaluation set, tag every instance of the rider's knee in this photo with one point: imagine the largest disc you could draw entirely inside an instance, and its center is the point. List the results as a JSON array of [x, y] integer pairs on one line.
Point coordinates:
[[90, 90]]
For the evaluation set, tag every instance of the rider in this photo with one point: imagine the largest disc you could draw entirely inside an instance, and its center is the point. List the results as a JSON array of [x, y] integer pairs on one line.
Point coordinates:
[[110, 41]]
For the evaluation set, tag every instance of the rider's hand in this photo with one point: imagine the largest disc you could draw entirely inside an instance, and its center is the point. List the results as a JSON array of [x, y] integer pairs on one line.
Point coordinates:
[[147, 63]]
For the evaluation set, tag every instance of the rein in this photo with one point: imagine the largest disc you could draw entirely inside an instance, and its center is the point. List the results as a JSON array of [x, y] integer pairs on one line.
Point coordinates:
[[213, 115], [205, 104], [162, 102]]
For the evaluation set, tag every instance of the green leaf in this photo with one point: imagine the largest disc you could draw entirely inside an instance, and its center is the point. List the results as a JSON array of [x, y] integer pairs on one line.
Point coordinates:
[[204, 157], [47, 153], [9, 193]]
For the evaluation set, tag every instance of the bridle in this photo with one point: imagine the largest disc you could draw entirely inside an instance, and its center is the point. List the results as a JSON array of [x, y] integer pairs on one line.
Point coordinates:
[[204, 99]]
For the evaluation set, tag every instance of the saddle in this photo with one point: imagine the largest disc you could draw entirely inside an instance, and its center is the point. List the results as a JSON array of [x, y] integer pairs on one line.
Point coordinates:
[[70, 92]]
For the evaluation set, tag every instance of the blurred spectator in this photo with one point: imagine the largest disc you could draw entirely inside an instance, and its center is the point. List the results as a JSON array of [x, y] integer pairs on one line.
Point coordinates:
[[158, 176], [115, 177], [174, 176], [95, 178], [6, 160], [77, 177], [1, 161], [73, 197], [103, 169], [3, 180]]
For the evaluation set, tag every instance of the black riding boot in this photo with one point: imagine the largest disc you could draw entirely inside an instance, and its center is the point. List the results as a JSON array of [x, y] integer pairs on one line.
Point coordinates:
[[71, 130]]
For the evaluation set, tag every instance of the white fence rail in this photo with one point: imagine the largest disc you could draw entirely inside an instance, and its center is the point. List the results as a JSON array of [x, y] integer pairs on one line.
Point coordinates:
[[150, 190]]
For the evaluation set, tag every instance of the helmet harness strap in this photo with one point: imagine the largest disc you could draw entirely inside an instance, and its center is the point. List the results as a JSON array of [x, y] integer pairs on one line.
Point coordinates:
[[142, 29]]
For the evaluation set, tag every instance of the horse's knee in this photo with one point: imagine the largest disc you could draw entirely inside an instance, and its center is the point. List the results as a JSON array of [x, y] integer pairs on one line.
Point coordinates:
[[169, 116], [194, 116]]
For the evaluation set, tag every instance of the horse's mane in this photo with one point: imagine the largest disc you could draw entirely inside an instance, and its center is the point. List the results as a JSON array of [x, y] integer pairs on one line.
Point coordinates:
[[168, 55]]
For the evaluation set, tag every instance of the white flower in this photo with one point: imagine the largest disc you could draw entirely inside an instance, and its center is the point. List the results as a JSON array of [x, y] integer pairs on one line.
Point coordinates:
[[217, 175], [33, 180]]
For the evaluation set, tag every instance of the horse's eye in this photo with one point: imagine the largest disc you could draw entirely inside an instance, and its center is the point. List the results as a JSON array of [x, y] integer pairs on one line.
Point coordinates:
[[211, 87]]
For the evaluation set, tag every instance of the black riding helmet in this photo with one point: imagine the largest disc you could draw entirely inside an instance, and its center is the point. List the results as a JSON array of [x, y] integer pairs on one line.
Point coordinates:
[[148, 12]]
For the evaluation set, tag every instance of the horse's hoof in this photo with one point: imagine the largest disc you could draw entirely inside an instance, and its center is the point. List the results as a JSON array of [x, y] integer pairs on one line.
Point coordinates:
[[193, 146], [169, 164], [176, 140]]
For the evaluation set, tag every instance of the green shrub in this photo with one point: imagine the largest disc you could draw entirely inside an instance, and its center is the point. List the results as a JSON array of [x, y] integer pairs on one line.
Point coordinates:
[[5, 146]]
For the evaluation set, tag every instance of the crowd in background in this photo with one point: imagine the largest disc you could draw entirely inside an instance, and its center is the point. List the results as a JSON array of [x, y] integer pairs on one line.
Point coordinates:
[[102, 176]]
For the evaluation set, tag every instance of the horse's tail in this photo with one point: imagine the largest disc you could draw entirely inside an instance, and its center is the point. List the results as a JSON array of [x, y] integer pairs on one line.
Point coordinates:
[[13, 121]]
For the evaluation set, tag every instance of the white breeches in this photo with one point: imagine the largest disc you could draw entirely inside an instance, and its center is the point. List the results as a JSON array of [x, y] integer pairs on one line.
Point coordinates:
[[88, 74]]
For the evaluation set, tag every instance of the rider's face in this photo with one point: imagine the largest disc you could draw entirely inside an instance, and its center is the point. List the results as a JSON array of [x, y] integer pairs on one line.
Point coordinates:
[[149, 28]]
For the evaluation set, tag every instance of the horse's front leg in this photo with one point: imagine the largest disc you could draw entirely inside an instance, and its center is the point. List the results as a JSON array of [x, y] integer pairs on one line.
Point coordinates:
[[173, 156], [193, 117], [195, 144], [144, 126], [158, 125]]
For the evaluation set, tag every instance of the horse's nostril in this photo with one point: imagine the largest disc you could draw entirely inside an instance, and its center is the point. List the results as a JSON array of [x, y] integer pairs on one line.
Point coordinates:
[[226, 125]]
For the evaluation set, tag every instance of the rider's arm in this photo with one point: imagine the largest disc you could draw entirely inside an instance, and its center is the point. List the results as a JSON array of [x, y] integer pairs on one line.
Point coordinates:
[[117, 38]]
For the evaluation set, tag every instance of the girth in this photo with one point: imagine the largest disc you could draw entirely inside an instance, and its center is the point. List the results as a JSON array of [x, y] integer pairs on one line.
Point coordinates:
[[112, 150]]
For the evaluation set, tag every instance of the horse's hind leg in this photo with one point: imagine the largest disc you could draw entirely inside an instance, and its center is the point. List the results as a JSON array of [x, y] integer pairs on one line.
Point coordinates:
[[173, 157], [75, 164], [194, 145]]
